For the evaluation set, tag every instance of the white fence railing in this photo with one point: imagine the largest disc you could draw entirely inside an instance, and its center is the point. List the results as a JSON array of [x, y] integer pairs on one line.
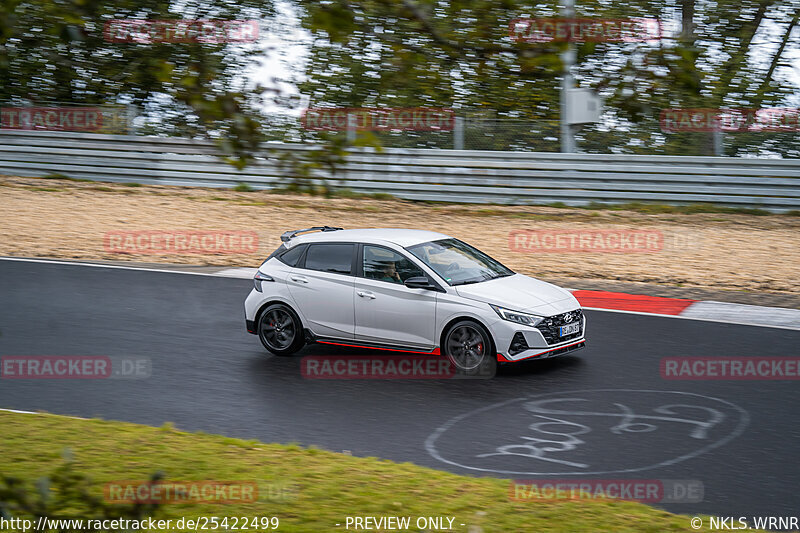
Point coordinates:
[[419, 174]]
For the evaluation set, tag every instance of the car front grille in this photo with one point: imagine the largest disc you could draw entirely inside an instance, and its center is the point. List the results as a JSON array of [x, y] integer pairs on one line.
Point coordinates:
[[549, 326]]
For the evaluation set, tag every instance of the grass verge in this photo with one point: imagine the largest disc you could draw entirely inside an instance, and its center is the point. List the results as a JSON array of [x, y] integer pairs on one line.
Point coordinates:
[[319, 488], [686, 209]]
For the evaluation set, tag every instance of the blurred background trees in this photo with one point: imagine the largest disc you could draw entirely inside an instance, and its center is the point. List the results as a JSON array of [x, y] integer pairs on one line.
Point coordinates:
[[726, 53], [413, 53], [55, 52]]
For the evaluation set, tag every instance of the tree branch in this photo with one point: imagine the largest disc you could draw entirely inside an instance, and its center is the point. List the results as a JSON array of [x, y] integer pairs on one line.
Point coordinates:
[[732, 66], [423, 19], [762, 90]]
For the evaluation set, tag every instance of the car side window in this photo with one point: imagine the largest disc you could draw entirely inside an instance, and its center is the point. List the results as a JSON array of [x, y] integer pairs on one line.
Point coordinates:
[[293, 255], [384, 264], [336, 258]]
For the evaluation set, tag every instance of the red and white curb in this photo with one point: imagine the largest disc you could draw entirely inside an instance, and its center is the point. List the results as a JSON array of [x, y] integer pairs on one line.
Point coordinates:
[[709, 310], [618, 302]]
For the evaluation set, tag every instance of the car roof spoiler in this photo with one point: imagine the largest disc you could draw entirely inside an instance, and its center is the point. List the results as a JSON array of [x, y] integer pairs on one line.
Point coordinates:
[[290, 234]]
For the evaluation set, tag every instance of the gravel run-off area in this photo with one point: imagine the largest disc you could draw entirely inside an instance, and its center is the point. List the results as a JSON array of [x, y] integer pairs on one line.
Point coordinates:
[[65, 219]]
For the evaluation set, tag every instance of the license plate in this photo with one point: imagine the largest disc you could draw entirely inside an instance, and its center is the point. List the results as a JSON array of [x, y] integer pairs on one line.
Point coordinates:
[[569, 329]]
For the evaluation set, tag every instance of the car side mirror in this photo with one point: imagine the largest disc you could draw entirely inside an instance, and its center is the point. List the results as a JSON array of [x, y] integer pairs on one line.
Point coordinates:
[[420, 282]]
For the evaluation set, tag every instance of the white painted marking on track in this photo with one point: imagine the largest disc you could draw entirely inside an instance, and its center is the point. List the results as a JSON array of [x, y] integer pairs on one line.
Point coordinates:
[[430, 442], [20, 412], [241, 273], [740, 322], [742, 313], [43, 414], [116, 267]]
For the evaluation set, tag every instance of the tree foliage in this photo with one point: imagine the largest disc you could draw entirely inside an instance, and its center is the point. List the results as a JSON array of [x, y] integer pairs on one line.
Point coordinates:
[[413, 53], [64, 495], [723, 53], [55, 52]]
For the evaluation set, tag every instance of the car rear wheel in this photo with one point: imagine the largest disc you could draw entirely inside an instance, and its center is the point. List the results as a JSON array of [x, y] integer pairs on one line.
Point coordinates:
[[280, 330], [470, 349]]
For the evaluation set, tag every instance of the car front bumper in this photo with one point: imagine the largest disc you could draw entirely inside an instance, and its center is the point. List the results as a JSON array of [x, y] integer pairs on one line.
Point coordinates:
[[504, 331], [535, 353]]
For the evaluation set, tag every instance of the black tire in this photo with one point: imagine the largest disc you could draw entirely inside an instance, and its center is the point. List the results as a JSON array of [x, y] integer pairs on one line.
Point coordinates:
[[470, 349], [280, 330]]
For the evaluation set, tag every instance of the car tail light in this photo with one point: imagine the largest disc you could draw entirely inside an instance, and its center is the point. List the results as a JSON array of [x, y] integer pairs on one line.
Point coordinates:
[[259, 278]]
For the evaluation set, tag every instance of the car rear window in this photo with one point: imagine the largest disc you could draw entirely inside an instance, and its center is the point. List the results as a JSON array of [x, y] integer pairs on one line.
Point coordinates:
[[278, 251], [293, 255], [337, 258]]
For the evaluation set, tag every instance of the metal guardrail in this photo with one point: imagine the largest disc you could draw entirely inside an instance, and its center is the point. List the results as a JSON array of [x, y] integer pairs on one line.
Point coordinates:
[[419, 174]]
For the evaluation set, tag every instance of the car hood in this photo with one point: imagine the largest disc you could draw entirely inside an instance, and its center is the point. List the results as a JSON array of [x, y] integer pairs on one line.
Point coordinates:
[[521, 293]]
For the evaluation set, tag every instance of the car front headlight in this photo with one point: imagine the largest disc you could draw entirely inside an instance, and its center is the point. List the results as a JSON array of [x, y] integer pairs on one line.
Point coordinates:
[[526, 319]]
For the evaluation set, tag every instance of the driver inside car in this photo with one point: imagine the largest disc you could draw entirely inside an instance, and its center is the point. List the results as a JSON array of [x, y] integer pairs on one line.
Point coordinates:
[[389, 273]]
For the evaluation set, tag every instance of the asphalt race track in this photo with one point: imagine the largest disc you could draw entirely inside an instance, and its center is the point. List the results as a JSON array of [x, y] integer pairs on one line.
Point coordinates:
[[605, 411]]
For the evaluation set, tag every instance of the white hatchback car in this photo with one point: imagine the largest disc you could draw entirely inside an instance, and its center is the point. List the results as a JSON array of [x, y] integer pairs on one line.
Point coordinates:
[[410, 290]]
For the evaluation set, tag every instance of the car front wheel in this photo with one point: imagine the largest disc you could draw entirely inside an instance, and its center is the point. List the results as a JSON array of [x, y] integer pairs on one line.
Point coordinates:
[[280, 330], [469, 348]]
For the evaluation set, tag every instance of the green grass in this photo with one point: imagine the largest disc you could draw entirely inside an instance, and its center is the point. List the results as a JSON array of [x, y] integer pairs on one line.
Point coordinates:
[[333, 193], [382, 196], [657, 209], [307, 488], [59, 176], [643, 207], [243, 187]]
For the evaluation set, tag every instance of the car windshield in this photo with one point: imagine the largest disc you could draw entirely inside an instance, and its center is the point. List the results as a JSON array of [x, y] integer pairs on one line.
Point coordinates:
[[457, 262]]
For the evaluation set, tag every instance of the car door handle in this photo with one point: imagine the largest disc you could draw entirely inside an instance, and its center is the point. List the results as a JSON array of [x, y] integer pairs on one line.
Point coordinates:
[[298, 279], [366, 294]]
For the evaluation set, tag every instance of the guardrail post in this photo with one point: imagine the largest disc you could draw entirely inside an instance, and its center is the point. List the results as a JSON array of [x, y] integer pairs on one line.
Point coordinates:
[[131, 115], [458, 133], [567, 82], [351, 127], [719, 148]]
